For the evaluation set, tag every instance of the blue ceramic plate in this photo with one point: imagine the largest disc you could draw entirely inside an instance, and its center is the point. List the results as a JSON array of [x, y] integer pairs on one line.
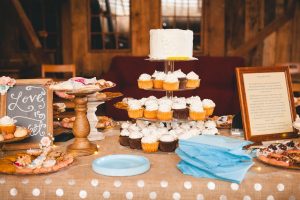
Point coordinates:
[[121, 165]]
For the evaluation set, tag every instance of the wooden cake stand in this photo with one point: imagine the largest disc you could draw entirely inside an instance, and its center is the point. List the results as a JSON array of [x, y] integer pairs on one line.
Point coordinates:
[[81, 128]]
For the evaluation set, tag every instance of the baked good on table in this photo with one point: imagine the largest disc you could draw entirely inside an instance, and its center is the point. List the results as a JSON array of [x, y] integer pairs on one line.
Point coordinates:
[[208, 106], [149, 144], [135, 138], [145, 82], [171, 82], [182, 78], [135, 109], [124, 137], [7, 127], [150, 111], [158, 79], [167, 143], [223, 121], [193, 80], [21, 132], [68, 122], [180, 110], [164, 112], [102, 84], [171, 43], [1, 137], [105, 122], [196, 111]]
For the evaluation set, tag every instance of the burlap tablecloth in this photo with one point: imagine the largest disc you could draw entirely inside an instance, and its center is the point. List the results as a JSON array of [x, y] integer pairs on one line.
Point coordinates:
[[162, 181]]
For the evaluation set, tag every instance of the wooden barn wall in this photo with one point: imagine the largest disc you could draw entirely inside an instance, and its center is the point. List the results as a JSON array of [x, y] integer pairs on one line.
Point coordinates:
[[228, 25]]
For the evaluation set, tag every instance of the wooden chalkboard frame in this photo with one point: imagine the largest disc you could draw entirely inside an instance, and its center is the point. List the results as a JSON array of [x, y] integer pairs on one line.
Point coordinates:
[[249, 135], [49, 93]]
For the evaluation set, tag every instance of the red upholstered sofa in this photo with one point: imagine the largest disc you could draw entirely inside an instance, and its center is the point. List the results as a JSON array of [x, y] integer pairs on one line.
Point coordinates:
[[217, 75]]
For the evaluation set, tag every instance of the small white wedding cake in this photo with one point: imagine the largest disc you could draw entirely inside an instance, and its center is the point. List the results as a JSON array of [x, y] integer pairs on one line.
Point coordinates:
[[171, 44]]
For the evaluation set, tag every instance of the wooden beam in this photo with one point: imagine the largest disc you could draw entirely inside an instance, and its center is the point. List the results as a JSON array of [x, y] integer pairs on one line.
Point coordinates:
[[29, 34], [275, 25]]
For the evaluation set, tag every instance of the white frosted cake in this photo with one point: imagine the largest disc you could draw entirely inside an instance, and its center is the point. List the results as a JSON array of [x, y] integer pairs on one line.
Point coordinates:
[[171, 44]]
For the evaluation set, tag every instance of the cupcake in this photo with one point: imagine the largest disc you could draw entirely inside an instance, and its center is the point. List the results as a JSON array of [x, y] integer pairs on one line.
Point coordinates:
[[164, 112], [149, 144], [150, 111], [171, 82], [135, 140], [158, 80], [208, 106], [193, 80], [7, 127], [196, 112], [182, 78], [193, 99], [135, 109], [180, 111], [167, 143], [124, 137], [145, 81]]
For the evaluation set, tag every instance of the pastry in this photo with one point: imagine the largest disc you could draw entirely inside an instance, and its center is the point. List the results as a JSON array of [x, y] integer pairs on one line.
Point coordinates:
[[1, 137], [164, 112], [180, 110], [158, 80], [135, 109], [145, 82], [135, 140], [208, 106], [196, 111], [193, 80], [167, 143], [150, 111], [182, 78], [171, 82], [149, 144], [49, 163], [7, 126], [21, 132], [124, 137]]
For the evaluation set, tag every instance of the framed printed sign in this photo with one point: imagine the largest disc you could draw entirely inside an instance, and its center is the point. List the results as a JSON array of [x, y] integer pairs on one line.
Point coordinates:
[[29, 102], [267, 103]]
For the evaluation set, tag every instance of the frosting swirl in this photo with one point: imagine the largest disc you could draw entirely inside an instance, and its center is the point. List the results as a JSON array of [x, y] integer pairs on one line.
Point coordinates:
[[192, 76]]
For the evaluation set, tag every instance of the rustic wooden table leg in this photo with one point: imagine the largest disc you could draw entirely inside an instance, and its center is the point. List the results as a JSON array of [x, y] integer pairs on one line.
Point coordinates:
[[81, 129]]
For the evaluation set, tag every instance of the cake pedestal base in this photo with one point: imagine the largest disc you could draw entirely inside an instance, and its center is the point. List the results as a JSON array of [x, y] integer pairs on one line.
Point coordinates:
[[93, 120]]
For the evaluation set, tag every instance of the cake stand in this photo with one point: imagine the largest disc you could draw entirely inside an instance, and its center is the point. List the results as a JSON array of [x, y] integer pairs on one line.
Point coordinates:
[[93, 120], [81, 128]]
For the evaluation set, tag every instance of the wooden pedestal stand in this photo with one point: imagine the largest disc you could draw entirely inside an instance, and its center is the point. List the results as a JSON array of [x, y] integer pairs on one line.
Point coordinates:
[[81, 129]]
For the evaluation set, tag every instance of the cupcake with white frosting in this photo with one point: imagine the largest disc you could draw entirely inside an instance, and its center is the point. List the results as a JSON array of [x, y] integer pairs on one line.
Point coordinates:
[[193, 80], [145, 82], [7, 127], [182, 78], [135, 109], [208, 106], [149, 144], [150, 111], [167, 143], [210, 131], [180, 110], [164, 112], [124, 137], [196, 111], [193, 99], [171, 82], [135, 140], [158, 80]]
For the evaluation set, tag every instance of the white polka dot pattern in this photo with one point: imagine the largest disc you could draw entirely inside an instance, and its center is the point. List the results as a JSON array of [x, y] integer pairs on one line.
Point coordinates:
[[257, 187], [106, 194], [234, 186], [280, 187], [36, 192], [48, 181], [59, 192], [25, 181], [71, 182], [187, 185], [140, 183], [223, 197], [292, 198], [176, 196], [200, 197], [211, 185], [129, 195], [94, 182], [117, 184], [152, 195], [247, 197], [82, 194], [13, 192], [270, 197], [2, 181], [164, 184]]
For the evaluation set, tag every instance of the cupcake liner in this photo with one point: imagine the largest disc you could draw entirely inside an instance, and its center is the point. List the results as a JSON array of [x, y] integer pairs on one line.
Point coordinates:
[[150, 147], [170, 86], [135, 143], [209, 110], [150, 114], [199, 116], [147, 84], [193, 83], [164, 115], [124, 140], [135, 113], [158, 84], [168, 146], [8, 129]]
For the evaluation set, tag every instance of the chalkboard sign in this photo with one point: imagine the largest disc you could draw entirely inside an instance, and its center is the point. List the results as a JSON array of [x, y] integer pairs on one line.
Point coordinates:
[[30, 103]]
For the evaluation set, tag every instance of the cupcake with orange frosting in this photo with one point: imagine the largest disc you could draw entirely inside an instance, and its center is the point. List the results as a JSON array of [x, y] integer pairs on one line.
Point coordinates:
[[193, 80], [208, 106], [150, 111], [7, 127], [171, 82], [164, 112], [196, 111], [135, 109], [149, 143], [145, 82]]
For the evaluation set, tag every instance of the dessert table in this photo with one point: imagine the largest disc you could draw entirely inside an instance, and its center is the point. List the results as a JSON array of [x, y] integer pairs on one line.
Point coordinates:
[[162, 181]]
